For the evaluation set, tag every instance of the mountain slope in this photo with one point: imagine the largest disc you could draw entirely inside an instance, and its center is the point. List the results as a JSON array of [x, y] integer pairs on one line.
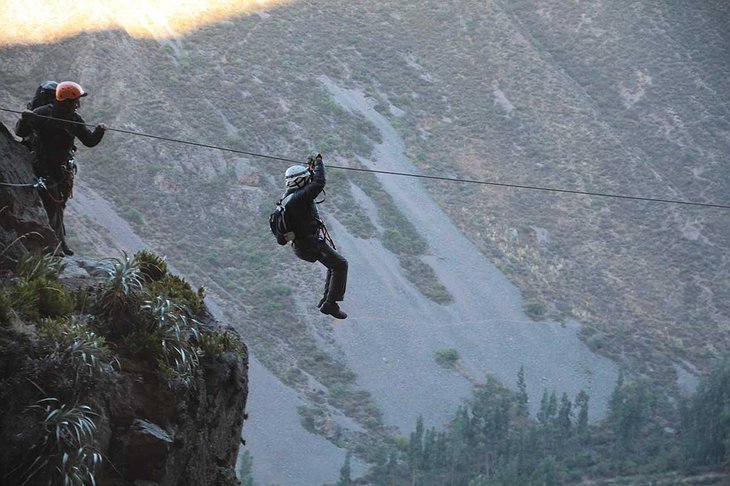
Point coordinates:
[[609, 97]]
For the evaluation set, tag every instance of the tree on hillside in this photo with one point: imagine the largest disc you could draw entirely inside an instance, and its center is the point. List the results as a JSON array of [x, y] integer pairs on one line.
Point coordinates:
[[346, 471], [522, 397], [565, 418], [581, 403], [245, 469], [630, 409], [706, 419]]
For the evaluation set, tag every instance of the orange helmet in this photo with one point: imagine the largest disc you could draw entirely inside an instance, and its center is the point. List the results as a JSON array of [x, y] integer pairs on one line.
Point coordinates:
[[68, 90]]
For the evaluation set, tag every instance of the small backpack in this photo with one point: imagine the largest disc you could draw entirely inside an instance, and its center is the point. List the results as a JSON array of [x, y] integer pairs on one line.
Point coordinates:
[[279, 223], [45, 94]]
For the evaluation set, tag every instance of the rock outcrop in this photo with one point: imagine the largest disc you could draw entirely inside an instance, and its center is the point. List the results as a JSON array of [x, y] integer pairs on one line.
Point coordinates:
[[146, 431], [23, 220], [149, 426]]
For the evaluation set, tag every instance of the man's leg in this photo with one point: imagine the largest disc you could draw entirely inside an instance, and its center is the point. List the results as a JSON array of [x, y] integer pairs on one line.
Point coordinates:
[[54, 210], [336, 264], [326, 287], [336, 282]]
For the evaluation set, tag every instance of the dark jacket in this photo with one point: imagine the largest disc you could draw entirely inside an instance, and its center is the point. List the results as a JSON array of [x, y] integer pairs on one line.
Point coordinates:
[[53, 140], [302, 210]]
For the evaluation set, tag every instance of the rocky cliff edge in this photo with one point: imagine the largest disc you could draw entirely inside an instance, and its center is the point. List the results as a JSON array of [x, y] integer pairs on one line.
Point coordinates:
[[111, 372]]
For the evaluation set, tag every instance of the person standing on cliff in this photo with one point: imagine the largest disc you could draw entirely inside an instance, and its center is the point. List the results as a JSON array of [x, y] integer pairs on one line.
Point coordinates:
[[312, 242], [55, 127]]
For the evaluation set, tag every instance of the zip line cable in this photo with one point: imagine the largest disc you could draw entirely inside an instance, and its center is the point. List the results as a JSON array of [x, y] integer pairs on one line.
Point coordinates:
[[394, 173]]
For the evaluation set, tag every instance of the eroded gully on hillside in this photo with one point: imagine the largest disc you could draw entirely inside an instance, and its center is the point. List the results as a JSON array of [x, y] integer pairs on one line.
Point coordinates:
[[393, 332]]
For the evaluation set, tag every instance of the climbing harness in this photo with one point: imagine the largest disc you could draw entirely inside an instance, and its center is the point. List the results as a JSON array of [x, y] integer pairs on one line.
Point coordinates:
[[325, 234], [66, 184]]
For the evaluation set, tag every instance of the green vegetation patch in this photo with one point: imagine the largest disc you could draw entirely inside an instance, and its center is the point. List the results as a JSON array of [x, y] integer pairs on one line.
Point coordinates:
[[214, 343], [447, 357], [345, 209], [152, 267], [535, 308], [178, 291], [64, 452], [424, 278], [399, 235], [310, 416]]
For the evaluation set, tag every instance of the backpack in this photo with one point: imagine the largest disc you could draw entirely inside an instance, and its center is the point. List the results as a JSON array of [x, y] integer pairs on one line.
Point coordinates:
[[45, 94], [279, 223]]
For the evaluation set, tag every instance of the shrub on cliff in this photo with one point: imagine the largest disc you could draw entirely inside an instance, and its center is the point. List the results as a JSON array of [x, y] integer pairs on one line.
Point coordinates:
[[152, 267]]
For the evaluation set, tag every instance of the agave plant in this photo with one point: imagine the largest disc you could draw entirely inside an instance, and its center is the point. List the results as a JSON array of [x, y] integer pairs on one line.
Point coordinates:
[[178, 356], [33, 267], [79, 466], [121, 286], [76, 341], [64, 455]]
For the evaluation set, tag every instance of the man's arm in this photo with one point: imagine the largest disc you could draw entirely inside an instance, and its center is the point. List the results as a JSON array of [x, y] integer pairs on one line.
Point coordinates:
[[87, 137], [309, 192]]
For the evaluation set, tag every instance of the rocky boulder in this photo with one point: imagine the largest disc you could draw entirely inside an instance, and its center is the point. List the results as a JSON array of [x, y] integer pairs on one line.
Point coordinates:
[[23, 220]]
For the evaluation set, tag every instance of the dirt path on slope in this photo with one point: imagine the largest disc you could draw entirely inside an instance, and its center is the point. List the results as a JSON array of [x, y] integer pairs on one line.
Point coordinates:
[[394, 331]]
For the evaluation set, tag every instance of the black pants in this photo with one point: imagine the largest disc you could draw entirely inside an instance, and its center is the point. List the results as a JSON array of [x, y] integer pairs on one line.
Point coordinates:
[[55, 204], [59, 180], [336, 283]]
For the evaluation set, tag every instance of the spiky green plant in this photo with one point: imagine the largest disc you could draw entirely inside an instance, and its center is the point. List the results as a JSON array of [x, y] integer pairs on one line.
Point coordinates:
[[76, 341], [152, 267], [174, 330], [79, 466], [32, 267], [124, 281], [82, 300], [64, 454], [179, 291]]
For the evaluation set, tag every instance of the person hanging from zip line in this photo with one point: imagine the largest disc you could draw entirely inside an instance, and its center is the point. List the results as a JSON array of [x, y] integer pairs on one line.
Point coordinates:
[[52, 145], [312, 242]]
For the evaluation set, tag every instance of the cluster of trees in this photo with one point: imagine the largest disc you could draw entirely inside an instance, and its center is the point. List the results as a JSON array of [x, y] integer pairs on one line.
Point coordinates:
[[493, 441]]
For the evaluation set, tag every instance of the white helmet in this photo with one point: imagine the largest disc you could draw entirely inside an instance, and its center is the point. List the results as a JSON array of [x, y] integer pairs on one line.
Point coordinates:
[[297, 176]]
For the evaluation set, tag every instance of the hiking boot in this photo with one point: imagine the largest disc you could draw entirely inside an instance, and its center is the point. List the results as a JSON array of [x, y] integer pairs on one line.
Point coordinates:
[[332, 309], [66, 250]]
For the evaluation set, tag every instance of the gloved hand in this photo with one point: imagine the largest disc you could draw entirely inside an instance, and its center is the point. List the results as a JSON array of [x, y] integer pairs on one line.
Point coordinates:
[[319, 157], [101, 127]]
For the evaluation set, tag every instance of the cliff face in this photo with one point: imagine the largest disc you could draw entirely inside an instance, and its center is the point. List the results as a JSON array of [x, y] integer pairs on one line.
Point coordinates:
[[152, 392], [23, 221], [145, 430]]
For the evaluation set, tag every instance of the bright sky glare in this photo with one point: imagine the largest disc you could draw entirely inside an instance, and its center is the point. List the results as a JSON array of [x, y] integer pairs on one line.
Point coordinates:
[[47, 21]]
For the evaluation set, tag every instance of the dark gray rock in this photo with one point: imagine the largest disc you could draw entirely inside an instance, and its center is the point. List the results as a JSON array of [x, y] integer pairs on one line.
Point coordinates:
[[148, 431], [23, 221]]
